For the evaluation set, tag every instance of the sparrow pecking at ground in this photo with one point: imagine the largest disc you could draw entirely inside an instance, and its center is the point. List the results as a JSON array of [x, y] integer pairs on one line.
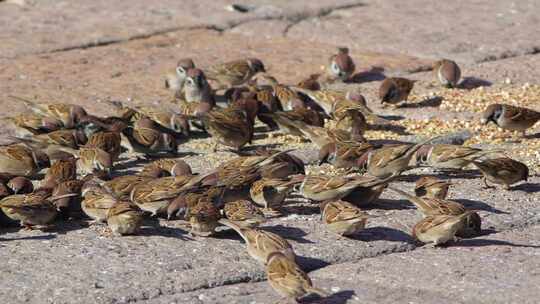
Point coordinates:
[[234, 73], [394, 90], [431, 187], [509, 117], [244, 213], [124, 218], [503, 171], [22, 160], [343, 218], [448, 157], [447, 72], [439, 229]]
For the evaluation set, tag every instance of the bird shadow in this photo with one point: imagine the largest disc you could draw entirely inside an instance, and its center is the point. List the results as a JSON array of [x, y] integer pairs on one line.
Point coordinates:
[[373, 74], [527, 187], [478, 205], [42, 237], [476, 242], [388, 204], [291, 233], [429, 102], [470, 83], [152, 227], [400, 130], [392, 117], [310, 264], [300, 209], [451, 174], [340, 297], [372, 234]]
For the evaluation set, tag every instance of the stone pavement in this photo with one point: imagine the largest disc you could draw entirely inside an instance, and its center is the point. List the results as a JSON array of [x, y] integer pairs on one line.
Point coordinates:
[[85, 52]]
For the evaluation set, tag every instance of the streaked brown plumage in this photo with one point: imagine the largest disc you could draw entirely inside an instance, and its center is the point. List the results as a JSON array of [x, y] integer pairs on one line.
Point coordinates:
[[447, 72], [509, 117], [394, 90], [234, 73], [244, 213], [431, 187], [21, 160], [503, 171], [343, 218], [124, 218], [341, 65]]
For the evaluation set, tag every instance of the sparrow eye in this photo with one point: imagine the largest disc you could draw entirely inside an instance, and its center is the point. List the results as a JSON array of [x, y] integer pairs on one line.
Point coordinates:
[[190, 81]]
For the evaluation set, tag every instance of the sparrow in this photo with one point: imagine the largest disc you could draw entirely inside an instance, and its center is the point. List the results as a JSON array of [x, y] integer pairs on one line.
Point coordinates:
[[145, 137], [172, 167], [280, 164], [177, 124], [60, 171], [390, 160], [243, 213], [448, 157], [287, 279], [122, 186], [92, 124], [394, 90], [36, 124], [344, 154], [351, 120], [107, 141], [503, 171], [268, 103], [155, 195], [365, 196], [94, 161], [510, 117], [323, 188], [30, 209], [287, 97], [270, 193], [436, 207], [68, 114], [71, 138], [124, 218], [259, 243], [229, 127], [20, 185], [311, 83], [67, 198], [197, 88], [96, 202], [439, 229], [287, 121], [203, 218], [343, 218], [447, 72], [431, 187], [175, 82], [323, 136], [22, 160], [341, 65], [328, 99], [235, 73]]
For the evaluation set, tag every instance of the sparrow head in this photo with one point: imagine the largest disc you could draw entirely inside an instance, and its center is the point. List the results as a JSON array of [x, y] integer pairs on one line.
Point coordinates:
[[20, 185], [183, 66], [41, 159], [256, 65], [195, 78], [341, 64], [491, 113], [168, 142], [181, 168], [180, 124]]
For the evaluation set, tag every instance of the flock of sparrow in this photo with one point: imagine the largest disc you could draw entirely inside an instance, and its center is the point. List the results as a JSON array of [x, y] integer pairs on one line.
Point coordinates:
[[81, 151]]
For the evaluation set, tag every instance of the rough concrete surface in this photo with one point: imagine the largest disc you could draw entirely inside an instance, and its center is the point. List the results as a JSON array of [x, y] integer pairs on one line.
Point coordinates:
[[86, 52]]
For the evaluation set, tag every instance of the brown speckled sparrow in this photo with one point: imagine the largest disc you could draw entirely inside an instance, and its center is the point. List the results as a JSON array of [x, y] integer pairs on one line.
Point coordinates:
[[503, 171], [323, 188], [260, 244], [244, 213], [432, 206], [323, 136], [287, 97], [20, 185], [229, 127], [109, 142], [21, 160], [448, 157], [66, 196], [341, 65], [65, 138], [390, 160], [290, 122], [510, 117], [270, 193], [60, 171], [122, 186], [394, 90], [287, 279], [124, 218], [94, 161], [343, 218], [439, 229], [447, 72], [96, 202], [203, 218], [155, 195], [177, 124], [234, 73], [343, 154], [36, 124], [68, 114], [146, 137], [172, 167], [197, 88], [32, 209], [431, 187], [175, 81], [365, 196]]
